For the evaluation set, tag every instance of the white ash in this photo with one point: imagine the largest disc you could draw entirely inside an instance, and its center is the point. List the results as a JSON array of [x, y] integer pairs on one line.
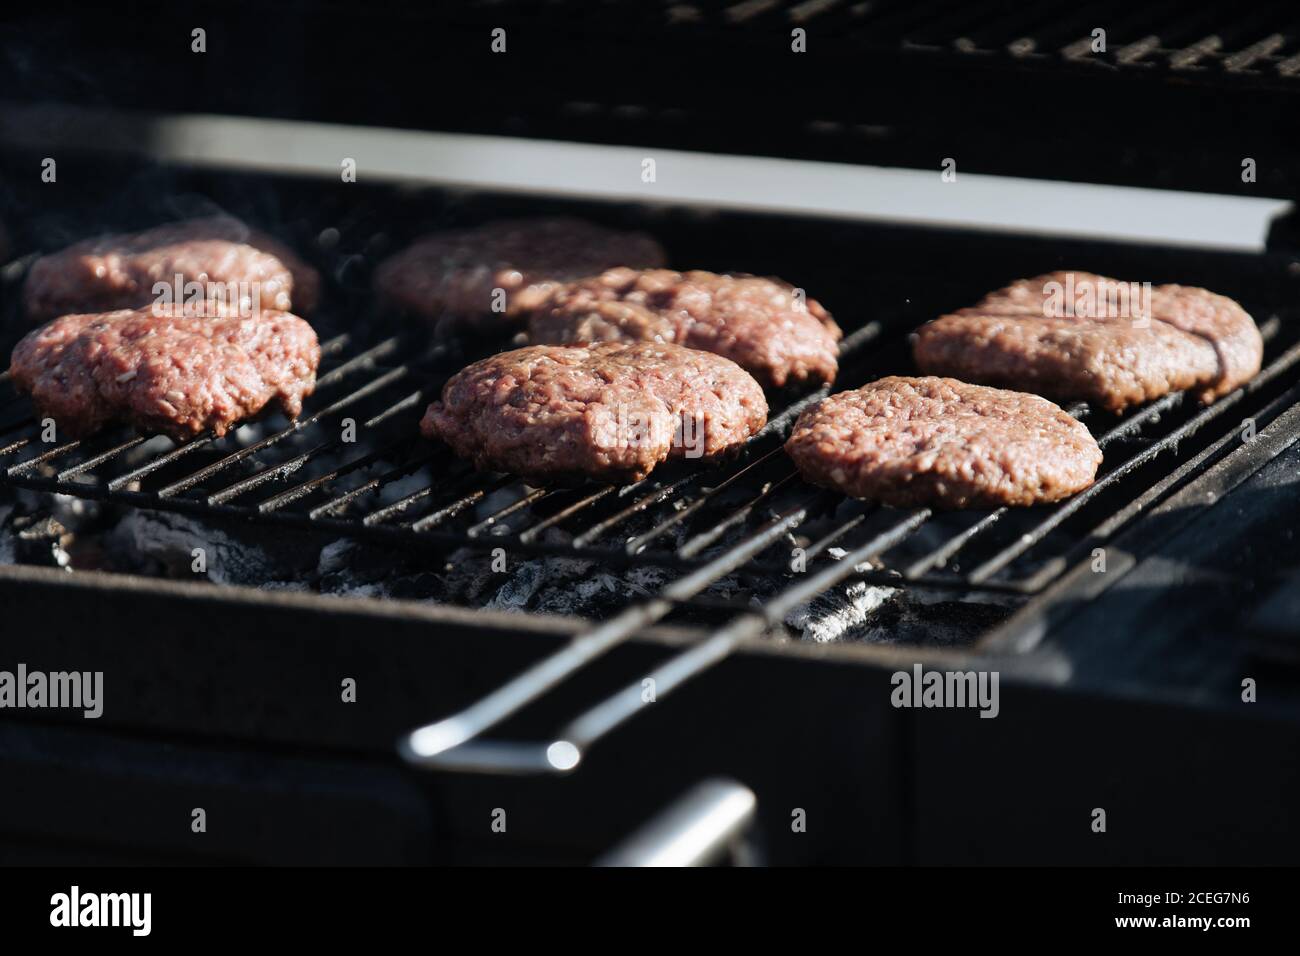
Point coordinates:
[[521, 587], [833, 615], [937, 620], [573, 587]]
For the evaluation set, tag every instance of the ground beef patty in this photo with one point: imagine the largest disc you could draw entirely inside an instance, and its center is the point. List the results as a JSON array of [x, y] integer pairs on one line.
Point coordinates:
[[757, 323], [119, 271], [1017, 336], [164, 371], [612, 410], [938, 441], [451, 276]]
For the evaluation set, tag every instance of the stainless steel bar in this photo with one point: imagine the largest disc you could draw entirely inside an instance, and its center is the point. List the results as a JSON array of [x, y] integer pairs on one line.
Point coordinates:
[[194, 478], [641, 504], [820, 545], [303, 488], [702, 540], [96, 460], [374, 484], [26, 466], [149, 467], [506, 511], [285, 468], [681, 514], [703, 826], [532, 532], [435, 518]]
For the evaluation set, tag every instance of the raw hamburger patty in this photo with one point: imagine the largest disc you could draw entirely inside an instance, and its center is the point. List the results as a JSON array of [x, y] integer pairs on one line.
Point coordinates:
[[755, 322], [168, 372], [938, 441], [119, 271], [451, 275], [1193, 339], [612, 410]]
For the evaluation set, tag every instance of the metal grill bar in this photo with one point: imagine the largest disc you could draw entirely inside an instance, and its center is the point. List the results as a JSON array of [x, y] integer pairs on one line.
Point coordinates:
[[31, 463], [90, 464], [705, 538], [635, 545], [459, 505], [342, 501], [532, 533], [194, 478], [284, 469], [505, 512], [144, 471], [402, 504], [450, 743], [641, 504], [1195, 465], [304, 488]]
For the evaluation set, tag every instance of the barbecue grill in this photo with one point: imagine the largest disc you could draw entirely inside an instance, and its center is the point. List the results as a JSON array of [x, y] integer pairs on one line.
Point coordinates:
[[770, 615]]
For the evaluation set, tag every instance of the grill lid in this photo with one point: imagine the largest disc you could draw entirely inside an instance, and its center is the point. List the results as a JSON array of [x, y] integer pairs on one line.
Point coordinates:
[[1157, 95]]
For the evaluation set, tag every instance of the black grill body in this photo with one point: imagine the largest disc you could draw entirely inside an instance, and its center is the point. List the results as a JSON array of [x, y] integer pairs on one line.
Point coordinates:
[[1120, 689]]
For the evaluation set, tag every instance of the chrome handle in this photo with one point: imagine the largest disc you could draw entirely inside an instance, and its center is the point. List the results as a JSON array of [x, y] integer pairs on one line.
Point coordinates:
[[701, 827], [449, 744]]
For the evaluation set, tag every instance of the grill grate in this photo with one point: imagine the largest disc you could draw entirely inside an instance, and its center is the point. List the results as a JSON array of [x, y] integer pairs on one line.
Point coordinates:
[[393, 487], [1264, 41], [1166, 35]]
